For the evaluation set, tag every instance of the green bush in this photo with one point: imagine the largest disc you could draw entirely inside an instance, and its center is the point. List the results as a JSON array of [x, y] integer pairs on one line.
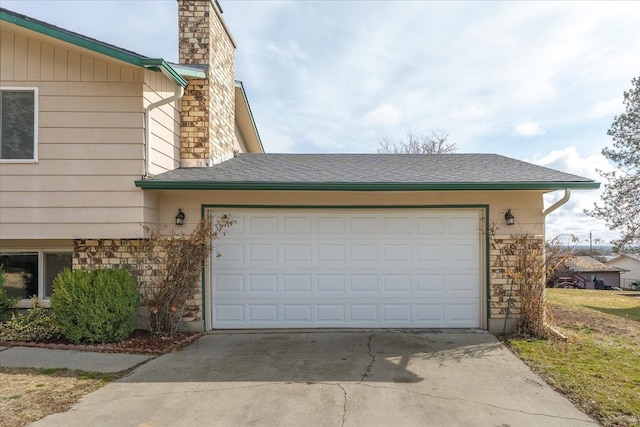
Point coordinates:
[[95, 306], [6, 302], [37, 325]]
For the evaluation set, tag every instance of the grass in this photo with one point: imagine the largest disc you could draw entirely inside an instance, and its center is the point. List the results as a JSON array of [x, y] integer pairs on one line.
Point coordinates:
[[27, 395], [598, 367]]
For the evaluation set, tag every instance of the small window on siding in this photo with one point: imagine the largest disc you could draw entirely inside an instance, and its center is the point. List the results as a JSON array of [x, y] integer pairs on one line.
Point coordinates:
[[18, 127]]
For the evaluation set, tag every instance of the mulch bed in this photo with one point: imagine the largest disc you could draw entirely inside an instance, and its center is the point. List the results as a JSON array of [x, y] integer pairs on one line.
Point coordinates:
[[139, 342]]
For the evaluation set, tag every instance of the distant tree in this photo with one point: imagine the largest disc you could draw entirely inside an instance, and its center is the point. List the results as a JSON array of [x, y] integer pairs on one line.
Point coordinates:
[[621, 196], [414, 143]]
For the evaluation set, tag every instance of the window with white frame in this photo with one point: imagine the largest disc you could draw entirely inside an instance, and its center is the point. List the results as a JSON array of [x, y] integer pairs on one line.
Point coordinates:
[[18, 124], [31, 273]]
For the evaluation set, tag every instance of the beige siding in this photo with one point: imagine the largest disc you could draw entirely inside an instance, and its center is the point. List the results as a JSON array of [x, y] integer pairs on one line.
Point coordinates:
[[633, 267], [526, 206], [90, 141], [164, 124], [240, 145]]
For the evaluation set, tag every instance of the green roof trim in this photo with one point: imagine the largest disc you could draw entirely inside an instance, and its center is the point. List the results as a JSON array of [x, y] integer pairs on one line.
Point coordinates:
[[91, 44], [165, 68], [190, 71], [150, 184]]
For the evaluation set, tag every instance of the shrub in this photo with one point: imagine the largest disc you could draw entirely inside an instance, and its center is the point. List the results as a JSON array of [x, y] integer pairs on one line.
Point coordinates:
[[95, 306], [6, 302], [174, 262], [37, 325]]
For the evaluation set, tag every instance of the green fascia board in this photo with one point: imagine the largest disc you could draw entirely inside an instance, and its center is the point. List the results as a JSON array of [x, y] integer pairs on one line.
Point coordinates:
[[186, 71], [150, 184], [92, 45], [168, 70]]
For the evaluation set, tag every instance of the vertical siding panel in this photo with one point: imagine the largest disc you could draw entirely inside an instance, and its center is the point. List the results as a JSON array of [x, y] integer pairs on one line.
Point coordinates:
[[47, 61], [74, 67], [20, 58], [126, 73], [100, 71], [86, 68], [60, 64], [113, 73], [7, 41], [33, 59]]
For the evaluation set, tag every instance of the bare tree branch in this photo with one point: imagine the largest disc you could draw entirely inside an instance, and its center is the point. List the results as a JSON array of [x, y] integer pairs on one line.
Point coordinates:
[[415, 143]]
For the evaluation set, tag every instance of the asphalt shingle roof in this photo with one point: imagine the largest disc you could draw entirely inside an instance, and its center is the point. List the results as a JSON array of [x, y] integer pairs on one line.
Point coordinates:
[[368, 169]]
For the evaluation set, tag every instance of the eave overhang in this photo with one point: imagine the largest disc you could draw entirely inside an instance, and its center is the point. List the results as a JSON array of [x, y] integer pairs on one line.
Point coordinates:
[[151, 184]]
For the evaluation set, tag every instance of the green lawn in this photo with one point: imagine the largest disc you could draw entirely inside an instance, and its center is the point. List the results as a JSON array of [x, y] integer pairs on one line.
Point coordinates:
[[599, 365]]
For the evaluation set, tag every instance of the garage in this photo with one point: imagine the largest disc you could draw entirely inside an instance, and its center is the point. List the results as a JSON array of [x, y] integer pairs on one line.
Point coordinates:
[[348, 268]]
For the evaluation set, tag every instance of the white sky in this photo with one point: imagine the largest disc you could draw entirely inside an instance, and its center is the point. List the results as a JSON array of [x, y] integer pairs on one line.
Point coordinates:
[[536, 81]]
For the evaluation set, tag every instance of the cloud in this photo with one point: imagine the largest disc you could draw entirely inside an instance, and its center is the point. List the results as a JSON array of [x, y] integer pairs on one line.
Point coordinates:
[[570, 218], [383, 114], [569, 160], [608, 108], [528, 129]]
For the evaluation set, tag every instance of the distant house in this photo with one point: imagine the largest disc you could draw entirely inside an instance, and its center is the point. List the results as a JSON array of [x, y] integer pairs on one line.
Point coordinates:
[[583, 271], [631, 263]]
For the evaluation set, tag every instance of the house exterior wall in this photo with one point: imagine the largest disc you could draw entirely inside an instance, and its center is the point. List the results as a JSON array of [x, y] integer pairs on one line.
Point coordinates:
[[610, 278], [627, 277], [164, 123], [208, 107], [90, 142]]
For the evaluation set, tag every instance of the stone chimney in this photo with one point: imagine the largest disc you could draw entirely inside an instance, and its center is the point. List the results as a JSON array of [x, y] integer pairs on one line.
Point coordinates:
[[208, 106]]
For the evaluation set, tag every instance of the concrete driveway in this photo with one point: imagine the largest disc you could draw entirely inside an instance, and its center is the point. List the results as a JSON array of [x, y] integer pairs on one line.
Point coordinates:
[[329, 378]]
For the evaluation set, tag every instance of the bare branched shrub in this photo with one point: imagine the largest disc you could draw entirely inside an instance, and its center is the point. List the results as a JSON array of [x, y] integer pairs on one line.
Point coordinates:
[[528, 262], [172, 264]]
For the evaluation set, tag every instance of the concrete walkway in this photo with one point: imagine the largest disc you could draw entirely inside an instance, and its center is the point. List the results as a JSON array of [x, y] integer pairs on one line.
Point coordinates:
[[375, 378], [28, 357]]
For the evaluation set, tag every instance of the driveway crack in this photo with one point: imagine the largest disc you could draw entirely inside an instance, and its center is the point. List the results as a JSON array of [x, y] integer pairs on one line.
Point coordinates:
[[369, 367], [344, 405]]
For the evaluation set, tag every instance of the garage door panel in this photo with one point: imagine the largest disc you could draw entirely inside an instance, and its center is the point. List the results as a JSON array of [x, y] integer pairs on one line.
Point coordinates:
[[259, 253], [330, 313], [296, 313], [430, 313], [348, 268], [296, 284], [331, 283], [397, 253], [396, 313], [300, 225], [461, 313], [396, 283], [397, 225], [259, 313], [331, 224], [263, 224], [262, 284], [297, 253], [364, 253], [431, 225], [431, 285]]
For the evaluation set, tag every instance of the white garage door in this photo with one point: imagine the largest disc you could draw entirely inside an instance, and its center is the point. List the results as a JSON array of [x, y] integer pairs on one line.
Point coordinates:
[[360, 268]]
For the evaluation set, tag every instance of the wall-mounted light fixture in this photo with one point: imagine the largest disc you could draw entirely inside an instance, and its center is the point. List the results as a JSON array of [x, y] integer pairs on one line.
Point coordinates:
[[509, 217], [180, 217]]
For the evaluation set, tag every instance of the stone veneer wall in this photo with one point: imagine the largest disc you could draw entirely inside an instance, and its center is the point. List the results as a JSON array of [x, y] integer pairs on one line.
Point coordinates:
[[208, 106], [116, 253], [503, 296]]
